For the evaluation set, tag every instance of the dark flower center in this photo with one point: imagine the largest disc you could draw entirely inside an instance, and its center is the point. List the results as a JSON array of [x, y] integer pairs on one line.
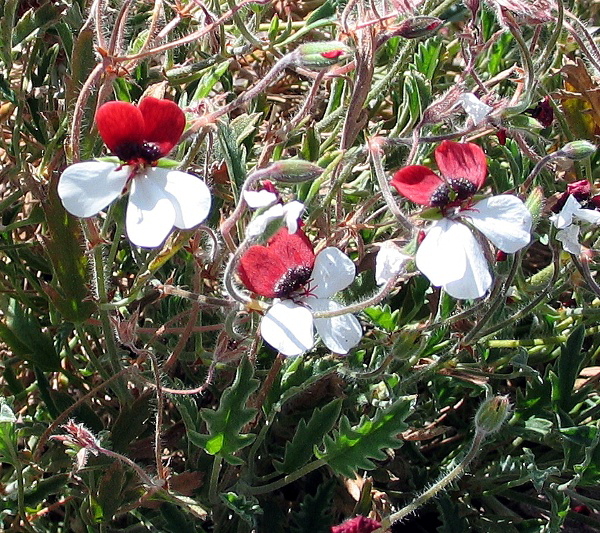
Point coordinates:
[[133, 152], [292, 280], [454, 190]]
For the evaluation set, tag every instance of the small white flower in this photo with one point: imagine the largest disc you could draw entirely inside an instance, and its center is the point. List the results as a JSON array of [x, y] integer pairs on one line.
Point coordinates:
[[390, 262], [290, 212], [568, 233], [474, 107]]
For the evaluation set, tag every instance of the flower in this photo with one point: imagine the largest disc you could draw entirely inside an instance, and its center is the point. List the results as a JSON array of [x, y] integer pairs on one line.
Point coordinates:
[[290, 212], [287, 270], [389, 263], [159, 198], [574, 204], [450, 254], [358, 524]]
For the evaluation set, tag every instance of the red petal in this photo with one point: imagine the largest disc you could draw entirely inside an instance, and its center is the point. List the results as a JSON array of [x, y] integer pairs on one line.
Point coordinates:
[[461, 160], [165, 123], [262, 267], [417, 183], [120, 125]]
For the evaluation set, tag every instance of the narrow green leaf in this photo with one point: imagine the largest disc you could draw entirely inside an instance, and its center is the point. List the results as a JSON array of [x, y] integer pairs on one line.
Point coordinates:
[[567, 368], [308, 435]]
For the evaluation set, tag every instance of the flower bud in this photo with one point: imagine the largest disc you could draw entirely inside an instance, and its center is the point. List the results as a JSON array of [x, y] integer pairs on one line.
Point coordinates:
[[577, 150], [417, 27], [319, 55], [535, 204], [291, 171], [491, 414]]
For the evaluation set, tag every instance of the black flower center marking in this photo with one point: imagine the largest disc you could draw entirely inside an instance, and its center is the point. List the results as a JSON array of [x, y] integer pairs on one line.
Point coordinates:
[[133, 152], [454, 190], [292, 280]]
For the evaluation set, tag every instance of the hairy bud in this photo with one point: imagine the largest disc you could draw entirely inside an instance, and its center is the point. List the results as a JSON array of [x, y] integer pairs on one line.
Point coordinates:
[[319, 55], [291, 171], [491, 414], [577, 150]]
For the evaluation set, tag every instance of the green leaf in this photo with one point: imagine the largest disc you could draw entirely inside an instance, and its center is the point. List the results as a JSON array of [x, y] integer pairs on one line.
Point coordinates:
[[23, 333], [567, 369], [383, 316], [68, 290], [352, 449], [8, 9], [300, 449], [226, 423], [232, 152], [246, 507], [110, 490], [314, 515], [8, 435]]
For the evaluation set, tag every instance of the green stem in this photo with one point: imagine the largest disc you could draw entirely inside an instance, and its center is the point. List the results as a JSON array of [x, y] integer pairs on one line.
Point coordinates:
[[440, 485], [214, 480], [263, 489]]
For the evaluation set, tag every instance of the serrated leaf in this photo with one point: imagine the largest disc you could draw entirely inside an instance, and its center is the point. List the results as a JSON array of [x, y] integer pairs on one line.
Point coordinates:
[[226, 423], [352, 449], [246, 507], [308, 435], [23, 333], [314, 515]]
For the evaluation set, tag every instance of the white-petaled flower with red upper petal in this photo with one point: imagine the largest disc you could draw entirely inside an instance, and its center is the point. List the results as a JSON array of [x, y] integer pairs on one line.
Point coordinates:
[[451, 255], [287, 270], [159, 198]]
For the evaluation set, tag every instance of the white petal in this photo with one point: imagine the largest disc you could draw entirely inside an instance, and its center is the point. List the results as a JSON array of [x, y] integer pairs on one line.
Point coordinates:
[[564, 218], [389, 263], [288, 327], [589, 215], [340, 333], [291, 214], [188, 194], [569, 237], [259, 224], [474, 107], [441, 256], [262, 198], [504, 220], [150, 213], [333, 271], [477, 278], [87, 188]]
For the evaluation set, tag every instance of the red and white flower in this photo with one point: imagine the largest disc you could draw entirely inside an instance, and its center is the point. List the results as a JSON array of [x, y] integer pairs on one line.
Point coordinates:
[[451, 255], [159, 198], [287, 270]]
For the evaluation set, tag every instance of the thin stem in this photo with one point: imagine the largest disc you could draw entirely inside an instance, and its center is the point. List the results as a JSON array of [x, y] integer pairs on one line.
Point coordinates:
[[375, 154], [359, 306], [263, 489], [214, 480], [440, 485]]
